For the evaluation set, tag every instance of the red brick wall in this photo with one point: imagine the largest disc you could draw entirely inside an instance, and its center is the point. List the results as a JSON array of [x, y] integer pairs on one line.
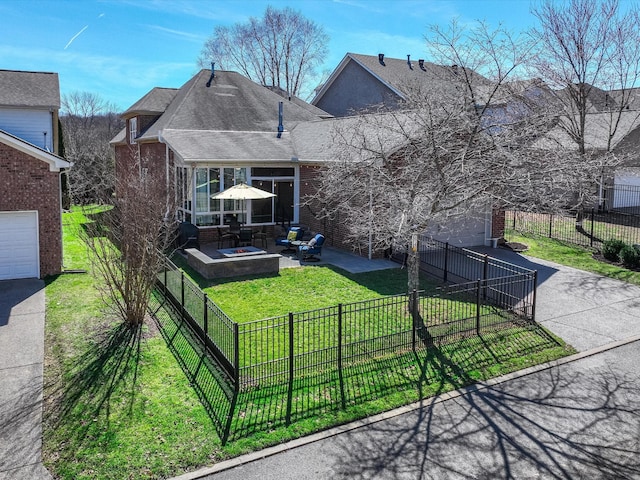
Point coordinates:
[[27, 184], [334, 229], [497, 223]]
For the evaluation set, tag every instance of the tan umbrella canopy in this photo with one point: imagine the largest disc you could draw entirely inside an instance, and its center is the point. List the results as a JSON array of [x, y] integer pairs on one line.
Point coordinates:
[[244, 192]]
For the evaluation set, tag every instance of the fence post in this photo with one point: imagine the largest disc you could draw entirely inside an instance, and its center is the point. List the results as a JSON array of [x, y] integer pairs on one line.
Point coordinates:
[[291, 370], [166, 287], [485, 275], [413, 320], [514, 219], [182, 309], [205, 316], [478, 303], [535, 293], [591, 233], [550, 224], [446, 260], [340, 377]]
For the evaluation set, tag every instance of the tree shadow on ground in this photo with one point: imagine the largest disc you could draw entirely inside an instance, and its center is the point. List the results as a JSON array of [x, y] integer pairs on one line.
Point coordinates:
[[560, 423], [80, 402], [401, 379], [210, 383]]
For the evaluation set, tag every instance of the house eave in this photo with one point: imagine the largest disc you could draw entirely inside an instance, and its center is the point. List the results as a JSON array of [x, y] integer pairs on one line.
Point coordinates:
[[55, 162]]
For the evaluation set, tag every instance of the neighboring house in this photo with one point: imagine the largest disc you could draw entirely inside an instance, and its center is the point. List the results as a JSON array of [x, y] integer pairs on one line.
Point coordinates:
[[363, 82], [30, 169]]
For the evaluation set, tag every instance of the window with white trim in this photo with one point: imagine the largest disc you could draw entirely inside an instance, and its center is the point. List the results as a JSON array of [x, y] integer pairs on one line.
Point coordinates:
[[133, 129]]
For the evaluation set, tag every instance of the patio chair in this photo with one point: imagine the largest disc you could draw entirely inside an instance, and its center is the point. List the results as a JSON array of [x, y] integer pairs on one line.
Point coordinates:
[[308, 251], [293, 234], [188, 236], [225, 235], [261, 236], [245, 237]]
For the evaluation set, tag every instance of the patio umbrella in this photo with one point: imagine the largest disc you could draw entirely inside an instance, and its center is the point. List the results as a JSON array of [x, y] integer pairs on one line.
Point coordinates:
[[243, 192]]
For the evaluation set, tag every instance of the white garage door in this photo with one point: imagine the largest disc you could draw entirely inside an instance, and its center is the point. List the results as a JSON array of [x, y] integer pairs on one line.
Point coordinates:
[[627, 189], [19, 252], [469, 231]]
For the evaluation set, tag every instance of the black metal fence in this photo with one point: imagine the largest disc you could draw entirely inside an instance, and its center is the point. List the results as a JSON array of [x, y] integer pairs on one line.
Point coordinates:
[[278, 350], [595, 227]]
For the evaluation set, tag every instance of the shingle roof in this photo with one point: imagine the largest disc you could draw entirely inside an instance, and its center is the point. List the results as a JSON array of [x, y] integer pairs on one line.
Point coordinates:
[[155, 101], [396, 74], [29, 89], [207, 145], [231, 103], [597, 127]]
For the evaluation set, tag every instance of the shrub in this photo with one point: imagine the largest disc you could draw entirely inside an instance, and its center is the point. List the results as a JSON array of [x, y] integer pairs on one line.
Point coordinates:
[[611, 249], [630, 256]]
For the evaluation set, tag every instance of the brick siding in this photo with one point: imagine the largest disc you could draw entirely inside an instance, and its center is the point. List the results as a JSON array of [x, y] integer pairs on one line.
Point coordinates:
[[27, 184]]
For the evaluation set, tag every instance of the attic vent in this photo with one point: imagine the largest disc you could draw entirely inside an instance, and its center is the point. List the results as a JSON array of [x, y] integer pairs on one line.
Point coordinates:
[[381, 59], [213, 74], [409, 62], [421, 63]]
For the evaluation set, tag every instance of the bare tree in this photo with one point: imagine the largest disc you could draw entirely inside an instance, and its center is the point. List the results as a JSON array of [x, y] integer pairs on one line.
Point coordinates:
[[88, 124], [128, 241], [440, 156], [589, 54], [464, 145], [280, 49]]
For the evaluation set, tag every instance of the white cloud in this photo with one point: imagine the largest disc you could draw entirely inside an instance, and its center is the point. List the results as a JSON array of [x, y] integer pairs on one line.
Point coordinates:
[[192, 37]]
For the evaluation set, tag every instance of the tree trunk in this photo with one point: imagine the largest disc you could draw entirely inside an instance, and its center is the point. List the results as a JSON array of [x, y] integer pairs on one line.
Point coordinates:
[[413, 264]]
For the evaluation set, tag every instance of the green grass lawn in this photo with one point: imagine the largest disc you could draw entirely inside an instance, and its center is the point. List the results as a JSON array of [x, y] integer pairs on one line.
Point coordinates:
[[572, 256], [149, 404]]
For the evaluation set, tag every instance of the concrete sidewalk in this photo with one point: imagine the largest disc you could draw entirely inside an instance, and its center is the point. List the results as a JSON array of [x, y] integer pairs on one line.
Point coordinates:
[[22, 314], [585, 309], [575, 418]]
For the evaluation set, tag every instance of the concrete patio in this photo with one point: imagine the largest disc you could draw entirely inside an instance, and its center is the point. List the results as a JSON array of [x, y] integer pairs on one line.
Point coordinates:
[[345, 260]]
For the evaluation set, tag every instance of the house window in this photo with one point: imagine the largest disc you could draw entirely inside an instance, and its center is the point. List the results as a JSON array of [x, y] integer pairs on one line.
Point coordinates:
[[133, 129], [209, 181]]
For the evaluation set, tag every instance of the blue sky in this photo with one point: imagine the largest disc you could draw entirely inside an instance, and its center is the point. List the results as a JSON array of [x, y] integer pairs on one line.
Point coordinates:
[[120, 49]]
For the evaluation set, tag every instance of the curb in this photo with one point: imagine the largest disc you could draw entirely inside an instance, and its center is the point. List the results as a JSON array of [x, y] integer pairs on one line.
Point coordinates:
[[283, 447]]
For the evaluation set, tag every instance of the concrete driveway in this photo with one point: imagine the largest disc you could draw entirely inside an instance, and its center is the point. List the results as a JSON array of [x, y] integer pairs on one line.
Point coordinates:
[[22, 313], [572, 419]]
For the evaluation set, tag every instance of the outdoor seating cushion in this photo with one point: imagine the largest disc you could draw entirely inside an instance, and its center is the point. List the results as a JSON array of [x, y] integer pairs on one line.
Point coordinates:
[[312, 242], [292, 235]]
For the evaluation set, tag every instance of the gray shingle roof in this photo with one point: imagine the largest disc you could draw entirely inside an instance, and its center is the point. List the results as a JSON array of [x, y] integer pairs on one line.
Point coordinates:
[[232, 103], [154, 102], [208, 145], [396, 74], [596, 132], [29, 89]]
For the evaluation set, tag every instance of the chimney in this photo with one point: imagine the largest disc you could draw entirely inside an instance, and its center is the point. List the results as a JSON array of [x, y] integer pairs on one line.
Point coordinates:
[[421, 63], [213, 73], [280, 124], [381, 59], [409, 62]]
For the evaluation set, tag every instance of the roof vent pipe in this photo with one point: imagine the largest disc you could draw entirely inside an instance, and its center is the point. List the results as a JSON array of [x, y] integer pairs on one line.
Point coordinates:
[[421, 63], [381, 59], [280, 124], [409, 62], [213, 73]]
